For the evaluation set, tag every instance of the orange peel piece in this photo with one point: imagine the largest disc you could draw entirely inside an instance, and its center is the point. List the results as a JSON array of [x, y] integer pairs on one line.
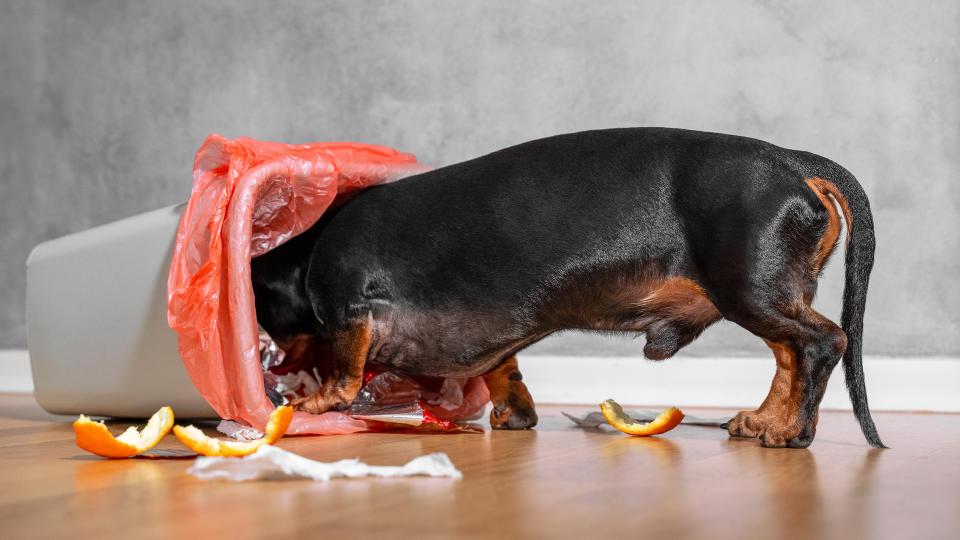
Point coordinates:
[[194, 439], [94, 437], [663, 423]]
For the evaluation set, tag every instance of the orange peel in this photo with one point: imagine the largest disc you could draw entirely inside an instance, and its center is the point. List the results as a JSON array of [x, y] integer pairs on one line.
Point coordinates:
[[94, 436], [194, 439], [663, 423]]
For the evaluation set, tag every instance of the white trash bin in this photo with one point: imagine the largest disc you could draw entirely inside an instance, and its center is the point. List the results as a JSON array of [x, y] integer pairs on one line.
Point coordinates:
[[97, 322]]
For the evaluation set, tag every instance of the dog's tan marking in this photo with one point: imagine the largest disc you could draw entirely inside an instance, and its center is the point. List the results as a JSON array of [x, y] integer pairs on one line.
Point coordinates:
[[822, 188], [681, 299]]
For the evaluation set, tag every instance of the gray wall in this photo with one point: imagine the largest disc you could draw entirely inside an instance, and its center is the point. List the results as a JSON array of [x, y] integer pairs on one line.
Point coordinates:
[[102, 105]]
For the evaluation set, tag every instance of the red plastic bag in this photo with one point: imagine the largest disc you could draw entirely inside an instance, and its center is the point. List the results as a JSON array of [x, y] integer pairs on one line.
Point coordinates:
[[248, 198]]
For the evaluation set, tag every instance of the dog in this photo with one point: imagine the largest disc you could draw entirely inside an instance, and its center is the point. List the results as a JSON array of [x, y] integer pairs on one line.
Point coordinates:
[[663, 231]]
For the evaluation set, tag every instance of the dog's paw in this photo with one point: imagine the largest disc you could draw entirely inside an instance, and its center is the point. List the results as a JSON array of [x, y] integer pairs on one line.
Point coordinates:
[[773, 438], [747, 424], [771, 432], [312, 404], [512, 416], [318, 403], [792, 436]]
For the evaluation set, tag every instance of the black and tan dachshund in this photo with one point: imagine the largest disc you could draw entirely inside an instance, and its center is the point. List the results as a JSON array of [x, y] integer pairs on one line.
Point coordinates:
[[662, 231]]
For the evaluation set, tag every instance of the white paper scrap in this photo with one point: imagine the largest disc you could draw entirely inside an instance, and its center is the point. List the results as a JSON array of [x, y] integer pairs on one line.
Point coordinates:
[[272, 463]]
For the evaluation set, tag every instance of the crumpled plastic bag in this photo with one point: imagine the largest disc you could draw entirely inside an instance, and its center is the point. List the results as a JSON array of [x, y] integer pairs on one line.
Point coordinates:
[[249, 197]]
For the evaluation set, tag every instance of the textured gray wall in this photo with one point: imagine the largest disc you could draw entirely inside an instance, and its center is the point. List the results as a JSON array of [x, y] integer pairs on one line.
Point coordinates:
[[102, 105]]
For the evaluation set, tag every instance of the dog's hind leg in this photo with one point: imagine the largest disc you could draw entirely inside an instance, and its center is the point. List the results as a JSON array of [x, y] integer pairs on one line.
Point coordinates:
[[350, 347], [766, 285], [807, 346], [777, 402], [512, 404]]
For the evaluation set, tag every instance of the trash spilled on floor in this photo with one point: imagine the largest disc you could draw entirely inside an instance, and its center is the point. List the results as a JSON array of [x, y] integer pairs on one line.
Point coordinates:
[[596, 419]]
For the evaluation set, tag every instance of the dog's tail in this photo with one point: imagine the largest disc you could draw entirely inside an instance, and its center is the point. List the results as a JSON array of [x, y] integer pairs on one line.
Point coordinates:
[[848, 193]]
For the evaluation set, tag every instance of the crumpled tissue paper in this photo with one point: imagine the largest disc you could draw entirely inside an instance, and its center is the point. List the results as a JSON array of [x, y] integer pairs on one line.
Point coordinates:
[[272, 463]]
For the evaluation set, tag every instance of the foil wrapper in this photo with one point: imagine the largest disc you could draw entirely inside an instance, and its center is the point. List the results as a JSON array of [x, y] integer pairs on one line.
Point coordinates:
[[271, 355]]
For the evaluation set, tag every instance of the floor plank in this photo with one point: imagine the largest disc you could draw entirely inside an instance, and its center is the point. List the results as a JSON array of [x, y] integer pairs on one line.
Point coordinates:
[[555, 481]]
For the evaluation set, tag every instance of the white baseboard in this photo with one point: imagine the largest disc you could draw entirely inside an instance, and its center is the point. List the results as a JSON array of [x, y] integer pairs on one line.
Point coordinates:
[[15, 371], [893, 383]]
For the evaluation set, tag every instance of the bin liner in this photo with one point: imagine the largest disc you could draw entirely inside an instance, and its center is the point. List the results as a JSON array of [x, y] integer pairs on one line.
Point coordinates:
[[249, 197]]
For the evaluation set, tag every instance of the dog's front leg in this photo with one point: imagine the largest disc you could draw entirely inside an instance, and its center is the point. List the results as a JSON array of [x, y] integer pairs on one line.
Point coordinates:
[[350, 347], [512, 404]]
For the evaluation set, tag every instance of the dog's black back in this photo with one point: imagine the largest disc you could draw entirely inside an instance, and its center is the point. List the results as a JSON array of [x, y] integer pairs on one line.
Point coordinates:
[[472, 261]]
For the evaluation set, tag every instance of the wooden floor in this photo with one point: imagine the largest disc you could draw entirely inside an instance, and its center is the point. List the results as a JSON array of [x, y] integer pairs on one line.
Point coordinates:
[[555, 481]]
